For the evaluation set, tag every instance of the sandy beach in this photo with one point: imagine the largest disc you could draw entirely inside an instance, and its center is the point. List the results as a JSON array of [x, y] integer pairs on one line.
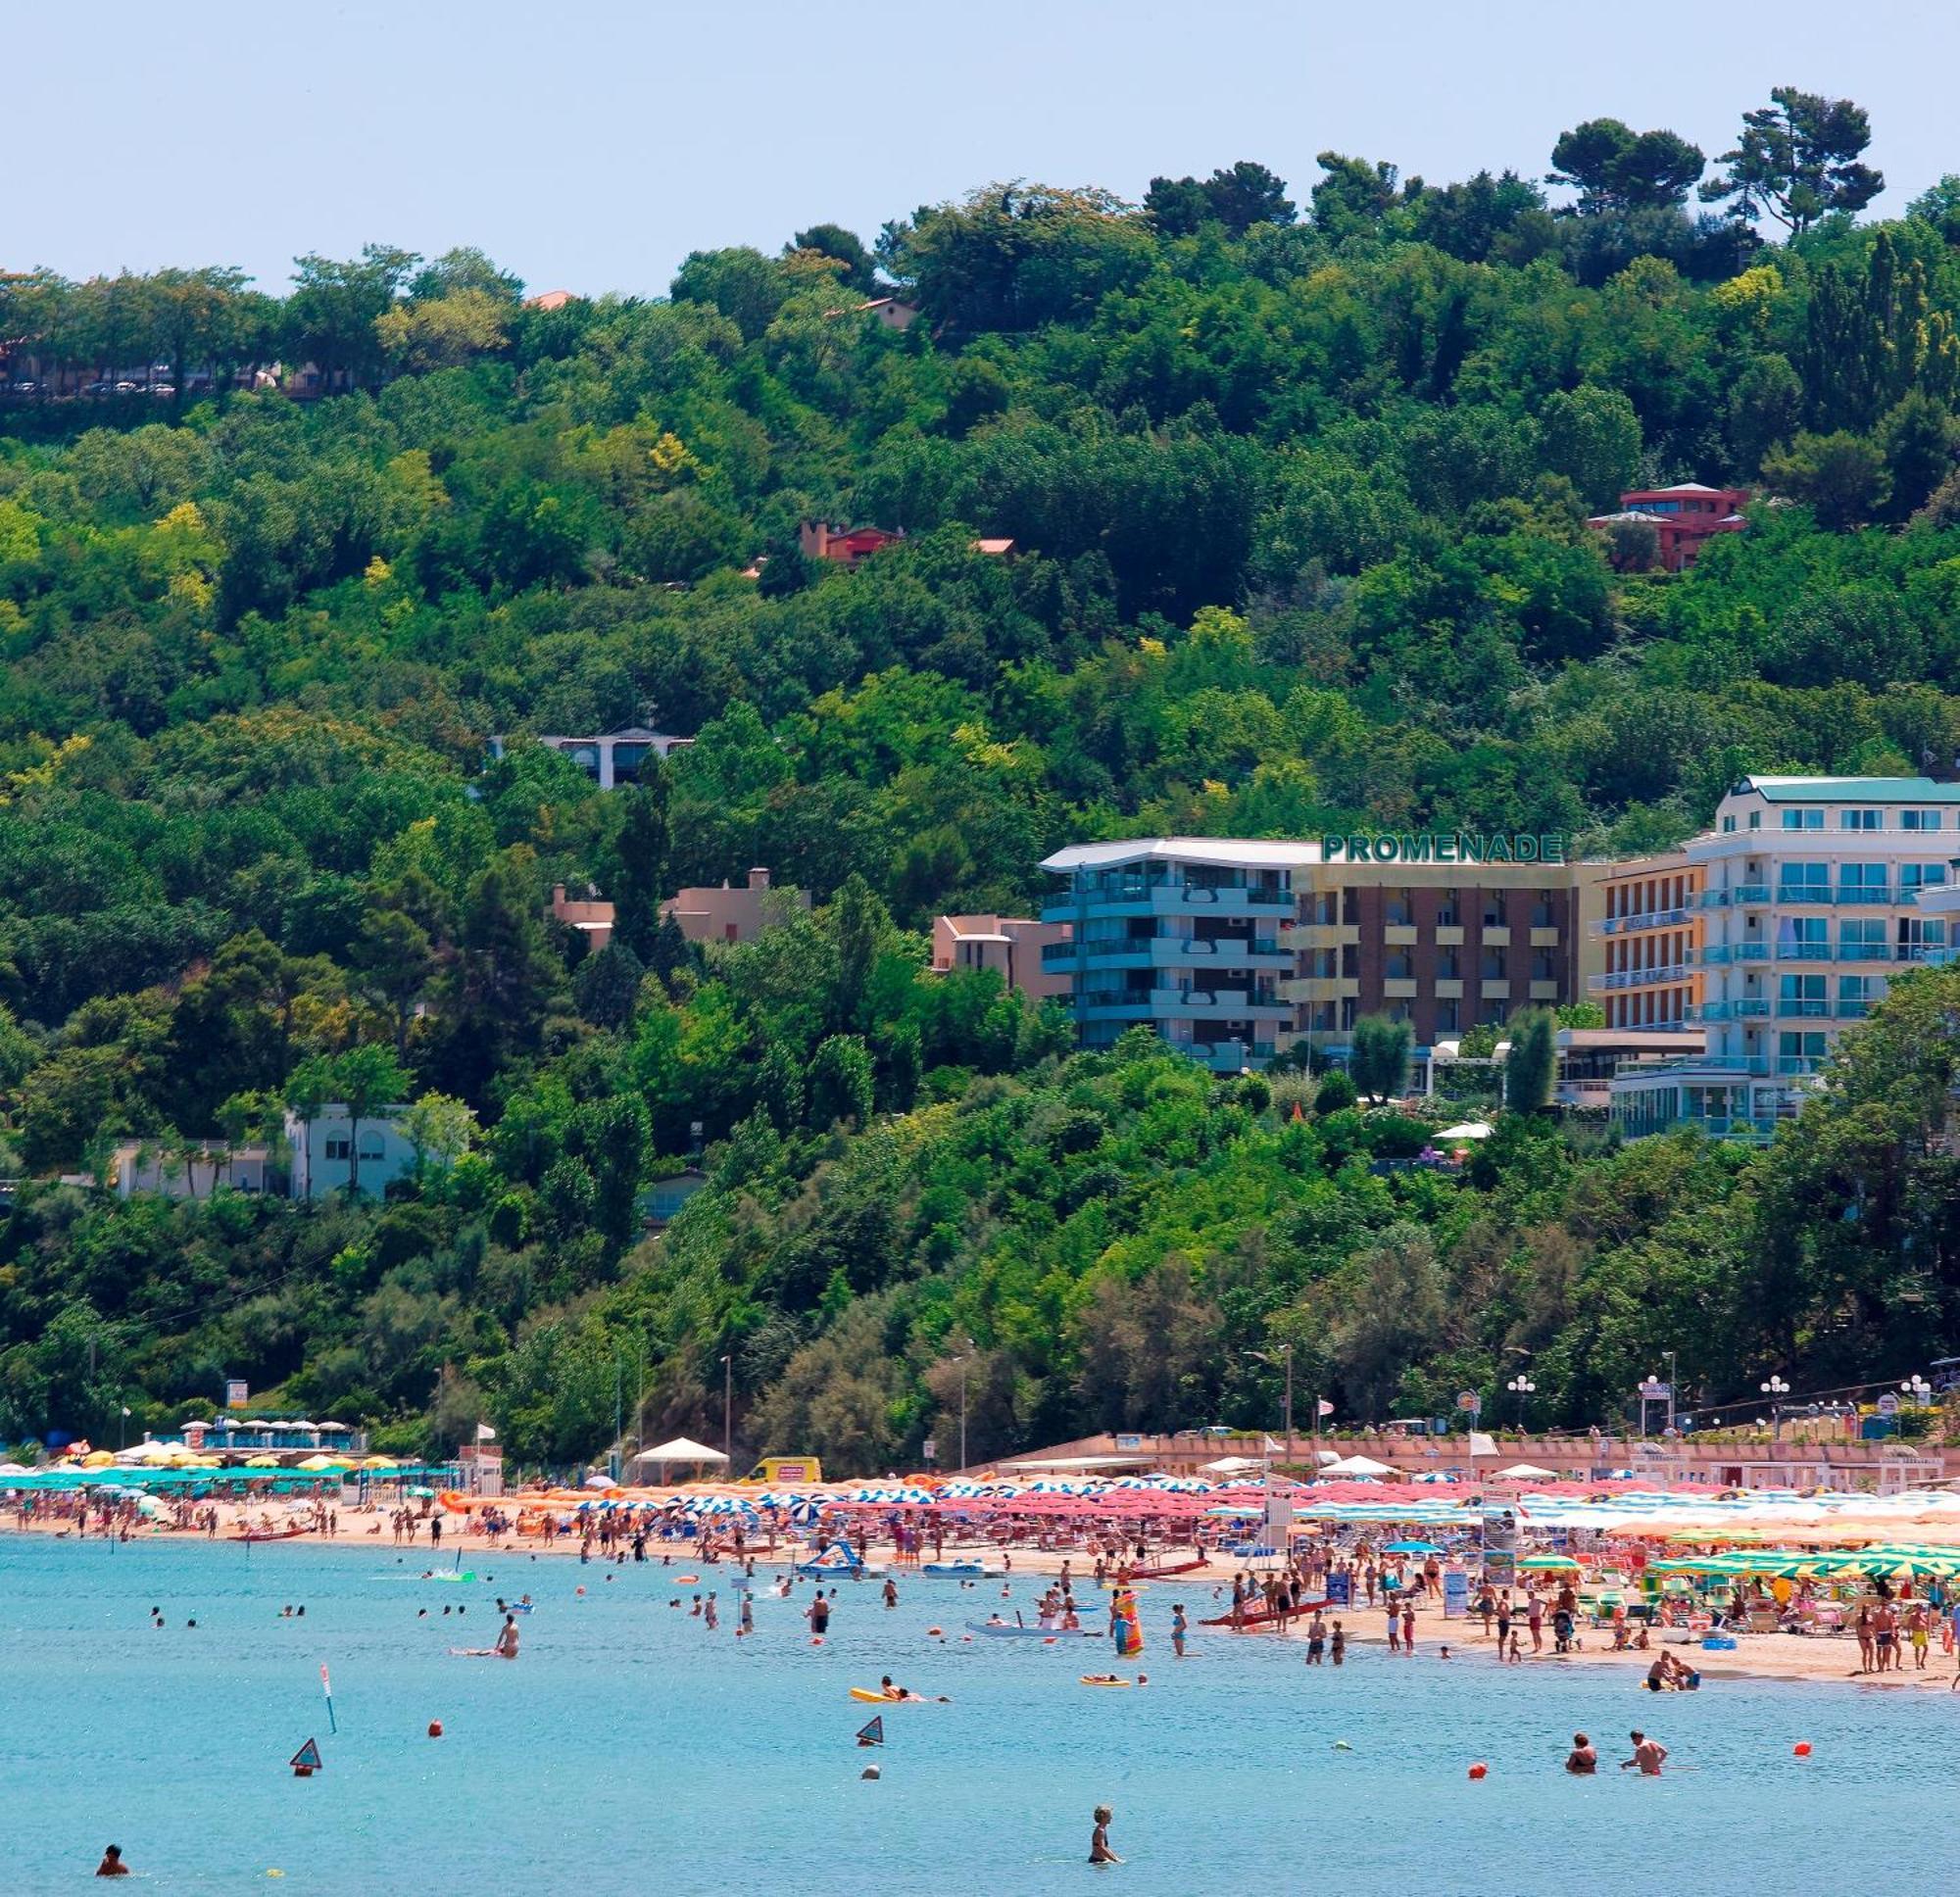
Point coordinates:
[[1204, 1592]]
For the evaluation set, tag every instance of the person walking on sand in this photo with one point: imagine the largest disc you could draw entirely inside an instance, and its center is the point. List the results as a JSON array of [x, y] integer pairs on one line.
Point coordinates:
[[1099, 1839]]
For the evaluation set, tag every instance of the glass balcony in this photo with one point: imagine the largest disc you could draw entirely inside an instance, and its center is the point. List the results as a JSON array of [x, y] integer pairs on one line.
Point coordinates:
[[1864, 951], [1806, 1009], [1749, 893], [1798, 893], [1871, 896], [1799, 1064], [1804, 951]]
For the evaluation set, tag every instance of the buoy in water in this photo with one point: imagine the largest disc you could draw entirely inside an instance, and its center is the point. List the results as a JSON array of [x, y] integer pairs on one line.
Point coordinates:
[[817, 1639], [435, 1728], [934, 1634], [1801, 1748], [578, 1590], [1479, 1770], [1342, 1745]]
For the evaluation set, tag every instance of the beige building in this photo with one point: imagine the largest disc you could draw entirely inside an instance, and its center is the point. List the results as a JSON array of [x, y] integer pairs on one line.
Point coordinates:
[[1650, 928], [591, 917], [159, 1166], [730, 914], [1013, 946]]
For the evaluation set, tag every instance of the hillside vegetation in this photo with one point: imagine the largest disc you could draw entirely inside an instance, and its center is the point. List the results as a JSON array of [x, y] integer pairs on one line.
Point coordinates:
[[1298, 494]]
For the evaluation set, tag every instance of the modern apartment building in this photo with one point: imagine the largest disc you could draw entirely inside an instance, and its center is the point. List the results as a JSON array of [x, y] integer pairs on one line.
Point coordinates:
[[1650, 926], [1445, 933], [610, 758], [1012, 946], [1181, 934], [1809, 902]]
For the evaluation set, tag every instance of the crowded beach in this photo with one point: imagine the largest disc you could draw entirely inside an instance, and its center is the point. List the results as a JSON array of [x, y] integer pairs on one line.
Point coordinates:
[[1678, 1584]]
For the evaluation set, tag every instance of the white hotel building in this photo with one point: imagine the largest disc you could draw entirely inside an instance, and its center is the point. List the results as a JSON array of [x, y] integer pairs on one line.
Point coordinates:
[[1809, 907]]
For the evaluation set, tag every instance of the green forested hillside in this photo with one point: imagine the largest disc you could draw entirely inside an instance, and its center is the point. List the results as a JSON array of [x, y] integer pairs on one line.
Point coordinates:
[[1298, 494]]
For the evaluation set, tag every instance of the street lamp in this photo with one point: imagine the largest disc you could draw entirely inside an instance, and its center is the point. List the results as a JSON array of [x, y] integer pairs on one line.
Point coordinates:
[[1918, 1388], [1264, 1357], [1523, 1389], [962, 1360], [1776, 1389], [727, 1413]]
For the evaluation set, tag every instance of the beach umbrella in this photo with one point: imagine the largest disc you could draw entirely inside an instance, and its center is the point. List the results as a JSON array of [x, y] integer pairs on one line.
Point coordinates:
[[318, 1465], [1547, 1563], [1411, 1547]]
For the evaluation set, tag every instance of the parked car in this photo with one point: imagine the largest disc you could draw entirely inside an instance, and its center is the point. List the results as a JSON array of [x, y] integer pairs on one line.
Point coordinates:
[[24, 387]]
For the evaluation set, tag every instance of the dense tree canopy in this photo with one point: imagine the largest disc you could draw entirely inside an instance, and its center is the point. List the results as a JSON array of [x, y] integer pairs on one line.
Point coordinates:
[[1297, 498]]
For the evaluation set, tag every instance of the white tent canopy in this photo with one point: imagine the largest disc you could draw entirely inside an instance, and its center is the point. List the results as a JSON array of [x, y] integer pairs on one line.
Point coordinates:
[[1231, 1466], [1469, 1130], [680, 1449], [1357, 1466], [1527, 1472]]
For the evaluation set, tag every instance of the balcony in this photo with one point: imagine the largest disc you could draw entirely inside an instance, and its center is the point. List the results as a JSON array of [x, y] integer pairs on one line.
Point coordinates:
[[1721, 1127], [1165, 899], [1864, 951], [1799, 1064], [1869, 895], [1846, 1010], [1746, 892], [1719, 953], [1651, 919], [1227, 1056], [1805, 951], [1805, 1010], [1638, 977], [1803, 895], [1746, 1009], [1712, 899], [1165, 952]]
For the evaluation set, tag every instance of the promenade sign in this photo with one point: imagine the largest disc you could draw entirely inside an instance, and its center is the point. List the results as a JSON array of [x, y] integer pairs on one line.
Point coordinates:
[[1443, 847]]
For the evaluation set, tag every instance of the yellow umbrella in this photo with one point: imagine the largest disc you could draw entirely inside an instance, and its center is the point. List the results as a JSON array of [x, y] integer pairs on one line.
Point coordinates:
[[97, 1459], [318, 1465], [262, 1462], [380, 1462]]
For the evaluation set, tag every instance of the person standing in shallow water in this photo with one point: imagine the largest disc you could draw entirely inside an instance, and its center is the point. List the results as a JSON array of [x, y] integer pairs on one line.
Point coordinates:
[[1099, 1839]]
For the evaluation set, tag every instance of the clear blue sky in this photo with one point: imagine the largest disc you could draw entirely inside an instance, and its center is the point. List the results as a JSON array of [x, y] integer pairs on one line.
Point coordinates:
[[591, 144]]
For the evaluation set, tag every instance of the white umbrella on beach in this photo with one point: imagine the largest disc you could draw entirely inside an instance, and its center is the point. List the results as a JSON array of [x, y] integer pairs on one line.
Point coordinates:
[[1357, 1466]]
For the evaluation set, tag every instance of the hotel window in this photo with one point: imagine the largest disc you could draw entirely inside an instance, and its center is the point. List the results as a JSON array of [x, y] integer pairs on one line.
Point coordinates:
[[338, 1146], [1494, 909], [1916, 936], [1491, 967], [1544, 964], [1802, 938], [1804, 820], [1323, 907], [1857, 993], [1450, 914], [1799, 1050], [1862, 940], [1866, 880], [1449, 1015], [1860, 820], [1448, 965], [1399, 910], [1914, 877], [1920, 819], [1350, 906], [1803, 883], [1398, 967], [1802, 994], [1541, 911]]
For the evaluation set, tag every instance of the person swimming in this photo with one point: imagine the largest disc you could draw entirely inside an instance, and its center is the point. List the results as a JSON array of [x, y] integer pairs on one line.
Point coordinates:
[[1099, 1839], [506, 1639], [1581, 1760], [112, 1865], [1648, 1755]]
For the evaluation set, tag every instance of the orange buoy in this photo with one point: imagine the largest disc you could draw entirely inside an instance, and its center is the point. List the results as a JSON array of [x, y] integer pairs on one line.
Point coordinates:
[[579, 1591], [1479, 1770], [817, 1639], [680, 1581], [1801, 1748], [435, 1728], [934, 1634]]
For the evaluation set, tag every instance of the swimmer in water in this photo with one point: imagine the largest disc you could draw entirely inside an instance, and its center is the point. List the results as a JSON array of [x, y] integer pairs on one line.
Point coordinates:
[[1648, 1755], [506, 1639], [1099, 1839], [1582, 1761], [112, 1865]]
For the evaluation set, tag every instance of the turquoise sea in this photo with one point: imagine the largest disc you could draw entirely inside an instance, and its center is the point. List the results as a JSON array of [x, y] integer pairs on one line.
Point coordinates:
[[630, 1751]]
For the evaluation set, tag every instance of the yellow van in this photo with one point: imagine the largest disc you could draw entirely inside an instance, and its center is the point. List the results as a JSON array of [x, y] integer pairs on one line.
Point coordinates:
[[774, 1471]]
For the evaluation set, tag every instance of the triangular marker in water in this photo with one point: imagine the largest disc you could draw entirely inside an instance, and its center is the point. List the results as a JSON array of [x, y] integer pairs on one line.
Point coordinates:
[[872, 1733], [308, 1756]]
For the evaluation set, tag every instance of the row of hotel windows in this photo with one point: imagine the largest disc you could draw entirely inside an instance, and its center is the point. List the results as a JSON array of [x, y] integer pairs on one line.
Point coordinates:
[[1437, 964], [1801, 882], [1811, 817], [1399, 909]]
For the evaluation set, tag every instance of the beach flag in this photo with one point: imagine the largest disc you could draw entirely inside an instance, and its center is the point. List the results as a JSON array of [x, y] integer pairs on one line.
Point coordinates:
[[326, 1686], [307, 1756], [485, 1434], [872, 1733], [1324, 1407]]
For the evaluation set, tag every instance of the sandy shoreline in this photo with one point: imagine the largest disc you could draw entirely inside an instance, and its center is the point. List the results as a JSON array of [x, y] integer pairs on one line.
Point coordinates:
[[1808, 1659]]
